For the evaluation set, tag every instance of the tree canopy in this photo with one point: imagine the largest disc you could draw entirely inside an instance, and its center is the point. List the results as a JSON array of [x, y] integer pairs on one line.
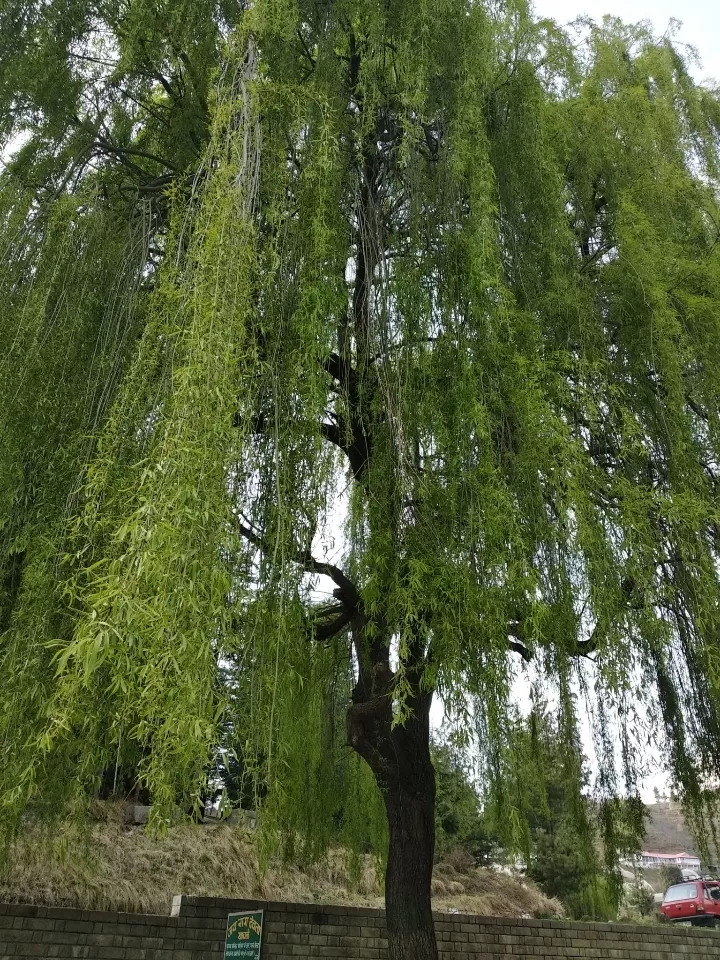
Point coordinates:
[[372, 347]]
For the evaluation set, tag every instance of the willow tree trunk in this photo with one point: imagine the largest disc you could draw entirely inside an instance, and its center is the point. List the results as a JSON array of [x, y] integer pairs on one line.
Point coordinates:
[[400, 759], [410, 806]]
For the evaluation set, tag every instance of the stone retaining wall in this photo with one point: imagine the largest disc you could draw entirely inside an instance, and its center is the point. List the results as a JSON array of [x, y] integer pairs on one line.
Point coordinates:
[[196, 931]]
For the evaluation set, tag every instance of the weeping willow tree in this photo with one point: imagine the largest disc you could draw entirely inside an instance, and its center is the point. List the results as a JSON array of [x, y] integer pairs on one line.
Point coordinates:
[[369, 349]]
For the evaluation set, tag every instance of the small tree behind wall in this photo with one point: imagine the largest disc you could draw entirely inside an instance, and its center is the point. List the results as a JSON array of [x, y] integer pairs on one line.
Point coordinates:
[[671, 875], [437, 273]]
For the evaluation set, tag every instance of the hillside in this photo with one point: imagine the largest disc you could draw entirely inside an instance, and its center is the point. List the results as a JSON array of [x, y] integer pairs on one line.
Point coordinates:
[[121, 867], [667, 831]]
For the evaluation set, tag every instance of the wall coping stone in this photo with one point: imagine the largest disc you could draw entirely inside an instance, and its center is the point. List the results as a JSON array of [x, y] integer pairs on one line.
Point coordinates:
[[184, 904]]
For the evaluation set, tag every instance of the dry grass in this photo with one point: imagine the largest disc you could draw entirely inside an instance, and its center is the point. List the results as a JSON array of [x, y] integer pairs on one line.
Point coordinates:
[[459, 885], [118, 867]]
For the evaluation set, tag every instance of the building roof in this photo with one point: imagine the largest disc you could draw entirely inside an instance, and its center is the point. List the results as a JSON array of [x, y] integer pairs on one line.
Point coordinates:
[[670, 856]]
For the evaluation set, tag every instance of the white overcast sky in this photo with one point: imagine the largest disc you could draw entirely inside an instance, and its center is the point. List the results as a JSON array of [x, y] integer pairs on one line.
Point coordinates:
[[700, 22]]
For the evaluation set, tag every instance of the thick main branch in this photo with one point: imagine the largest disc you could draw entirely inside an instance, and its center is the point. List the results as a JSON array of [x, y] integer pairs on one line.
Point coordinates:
[[347, 592]]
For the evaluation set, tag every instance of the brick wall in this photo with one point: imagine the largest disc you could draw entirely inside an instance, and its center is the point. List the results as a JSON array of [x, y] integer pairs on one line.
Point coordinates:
[[196, 931]]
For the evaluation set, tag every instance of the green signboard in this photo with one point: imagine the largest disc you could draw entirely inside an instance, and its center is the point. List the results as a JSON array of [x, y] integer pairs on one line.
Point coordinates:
[[244, 936]]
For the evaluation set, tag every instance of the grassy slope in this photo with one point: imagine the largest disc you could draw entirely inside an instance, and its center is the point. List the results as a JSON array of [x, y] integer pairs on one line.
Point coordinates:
[[123, 868]]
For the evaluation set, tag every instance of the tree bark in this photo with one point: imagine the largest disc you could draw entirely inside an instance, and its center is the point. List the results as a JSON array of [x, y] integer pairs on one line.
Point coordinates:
[[410, 807], [400, 760]]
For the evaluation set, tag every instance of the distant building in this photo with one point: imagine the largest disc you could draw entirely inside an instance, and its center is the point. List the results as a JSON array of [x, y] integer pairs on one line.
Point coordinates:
[[682, 860]]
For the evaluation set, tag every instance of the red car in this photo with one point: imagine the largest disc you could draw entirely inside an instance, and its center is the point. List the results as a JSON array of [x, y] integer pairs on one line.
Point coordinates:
[[696, 902]]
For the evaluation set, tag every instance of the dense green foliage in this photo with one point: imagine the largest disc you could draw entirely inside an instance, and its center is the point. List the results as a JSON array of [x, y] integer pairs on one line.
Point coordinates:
[[564, 854], [460, 820], [671, 875], [561, 845], [430, 290]]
